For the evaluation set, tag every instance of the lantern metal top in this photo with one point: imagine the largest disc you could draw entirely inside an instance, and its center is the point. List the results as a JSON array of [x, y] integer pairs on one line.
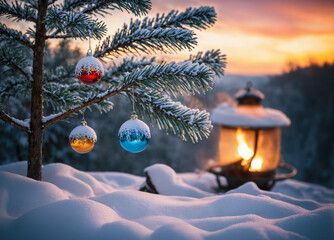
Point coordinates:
[[249, 113], [249, 95]]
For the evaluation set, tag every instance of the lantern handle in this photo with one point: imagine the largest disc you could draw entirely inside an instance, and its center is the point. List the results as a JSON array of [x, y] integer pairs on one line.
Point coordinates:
[[283, 176]]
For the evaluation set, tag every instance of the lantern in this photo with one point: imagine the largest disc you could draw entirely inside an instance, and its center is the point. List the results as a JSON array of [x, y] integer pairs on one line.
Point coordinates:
[[249, 141]]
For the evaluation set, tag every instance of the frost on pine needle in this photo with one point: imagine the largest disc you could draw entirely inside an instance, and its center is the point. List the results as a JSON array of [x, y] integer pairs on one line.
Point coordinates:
[[15, 35], [170, 115], [213, 59], [132, 40], [174, 78], [17, 11], [74, 24], [138, 7], [198, 18]]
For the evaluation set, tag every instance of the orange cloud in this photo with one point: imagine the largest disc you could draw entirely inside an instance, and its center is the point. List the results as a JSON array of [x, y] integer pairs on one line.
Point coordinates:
[[260, 36]]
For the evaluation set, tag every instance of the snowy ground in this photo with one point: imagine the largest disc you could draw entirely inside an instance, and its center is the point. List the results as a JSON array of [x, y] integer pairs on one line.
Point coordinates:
[[71, 204]]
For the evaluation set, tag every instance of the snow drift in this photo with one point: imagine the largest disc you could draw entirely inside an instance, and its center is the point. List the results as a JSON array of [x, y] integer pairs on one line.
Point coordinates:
[[72, 204]]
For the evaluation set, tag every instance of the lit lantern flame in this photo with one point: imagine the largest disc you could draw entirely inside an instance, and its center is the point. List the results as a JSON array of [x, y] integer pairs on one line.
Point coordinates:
[[256, 164], [244, 151]]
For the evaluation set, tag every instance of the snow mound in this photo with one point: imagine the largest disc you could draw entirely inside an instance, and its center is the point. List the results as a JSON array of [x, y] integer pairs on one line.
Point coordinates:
[[168, 183], [19, 195], [72, 204]]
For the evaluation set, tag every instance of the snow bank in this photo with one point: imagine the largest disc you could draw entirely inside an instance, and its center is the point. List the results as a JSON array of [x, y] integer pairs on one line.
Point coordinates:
[[72, 204], [168, 183]]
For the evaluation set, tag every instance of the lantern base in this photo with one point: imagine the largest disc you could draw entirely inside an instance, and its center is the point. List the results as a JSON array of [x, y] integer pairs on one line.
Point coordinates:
[[264, 180]]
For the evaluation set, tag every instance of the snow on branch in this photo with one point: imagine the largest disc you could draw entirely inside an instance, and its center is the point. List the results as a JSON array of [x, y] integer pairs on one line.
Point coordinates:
[[63, 96], [31, 3], [60, 96], [169, 115], [16, 61], [158, 34], [131, 39], [138, 7], [59, 74], [73, 24], [17, 11], [198, 18], [173, 78], [13, 86], [116, 73], [11, 34], [23, 125], [88, 101], [212, 58]]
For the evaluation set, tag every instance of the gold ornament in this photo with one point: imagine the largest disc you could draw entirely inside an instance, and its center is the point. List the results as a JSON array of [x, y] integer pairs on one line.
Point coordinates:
[[83, 138]]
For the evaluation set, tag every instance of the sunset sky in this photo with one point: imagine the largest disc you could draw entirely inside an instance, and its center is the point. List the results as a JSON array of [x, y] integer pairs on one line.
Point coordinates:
[[258, 36]]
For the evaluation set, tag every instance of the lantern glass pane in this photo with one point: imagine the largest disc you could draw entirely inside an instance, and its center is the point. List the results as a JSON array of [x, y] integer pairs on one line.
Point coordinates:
[[239, 145]]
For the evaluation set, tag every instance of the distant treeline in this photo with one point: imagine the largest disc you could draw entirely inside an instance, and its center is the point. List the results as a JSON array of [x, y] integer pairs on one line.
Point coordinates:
[[306, 95]]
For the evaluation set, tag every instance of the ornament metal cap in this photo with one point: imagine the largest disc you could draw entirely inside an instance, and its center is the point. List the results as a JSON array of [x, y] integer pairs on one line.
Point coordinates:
[[83, 122], [89, 52], [134, 115]]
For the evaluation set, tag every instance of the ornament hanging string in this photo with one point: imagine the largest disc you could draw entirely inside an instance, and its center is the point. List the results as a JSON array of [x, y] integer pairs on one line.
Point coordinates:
[[133, 101], [83, 121], [90, 46]]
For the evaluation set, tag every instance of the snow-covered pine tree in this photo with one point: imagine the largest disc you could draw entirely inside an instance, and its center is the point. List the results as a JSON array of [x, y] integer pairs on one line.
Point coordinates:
[[153, 83]]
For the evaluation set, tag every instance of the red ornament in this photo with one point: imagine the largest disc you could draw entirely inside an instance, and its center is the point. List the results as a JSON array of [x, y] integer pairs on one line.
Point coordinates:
[[89, 70]]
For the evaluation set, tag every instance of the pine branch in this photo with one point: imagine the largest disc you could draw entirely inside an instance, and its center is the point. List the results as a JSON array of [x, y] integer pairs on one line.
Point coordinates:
[[63, 96], [60, 74], [11, 34], [198, 18], [169, 115], [17, 11], [59, 96], [23, 125], [115, 74], [133, 40], [97, 99], [173, 78], [13, 86], [73, 24], [137, 7], [199, 77], [213, 58], [16, 61], [145, 35], [31, 3]]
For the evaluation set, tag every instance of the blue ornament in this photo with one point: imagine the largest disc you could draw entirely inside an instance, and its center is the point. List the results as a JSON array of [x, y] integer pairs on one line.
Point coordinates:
[[134, 135]]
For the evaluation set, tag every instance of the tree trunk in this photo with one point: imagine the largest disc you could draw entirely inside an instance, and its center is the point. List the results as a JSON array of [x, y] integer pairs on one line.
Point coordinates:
[[36, 125]]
